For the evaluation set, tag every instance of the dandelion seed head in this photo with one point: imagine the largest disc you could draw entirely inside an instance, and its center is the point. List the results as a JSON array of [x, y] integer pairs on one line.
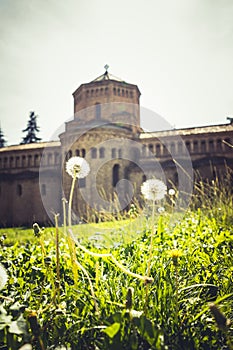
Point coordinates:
[[153, 189], [161, 210], [171, 192], [77, 167], [3, 277]]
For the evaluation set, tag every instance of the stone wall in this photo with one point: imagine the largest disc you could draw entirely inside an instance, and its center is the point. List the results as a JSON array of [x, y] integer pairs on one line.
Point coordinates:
[[21, 191]]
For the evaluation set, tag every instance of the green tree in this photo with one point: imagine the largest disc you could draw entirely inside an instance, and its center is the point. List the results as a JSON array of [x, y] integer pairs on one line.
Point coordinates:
[[31, 130], [2, 139]]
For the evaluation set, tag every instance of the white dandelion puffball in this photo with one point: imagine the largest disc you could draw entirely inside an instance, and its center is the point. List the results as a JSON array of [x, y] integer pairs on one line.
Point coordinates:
[[161, 210], [153, 189], [3, 277], [77, 167], [171, 192]]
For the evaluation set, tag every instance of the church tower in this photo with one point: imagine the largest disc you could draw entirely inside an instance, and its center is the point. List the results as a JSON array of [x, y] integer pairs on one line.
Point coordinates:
[[107, 99], [106, 112]]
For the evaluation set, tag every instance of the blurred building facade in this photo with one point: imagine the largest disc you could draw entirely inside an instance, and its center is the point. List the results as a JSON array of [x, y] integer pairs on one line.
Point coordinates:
[[106, 131]]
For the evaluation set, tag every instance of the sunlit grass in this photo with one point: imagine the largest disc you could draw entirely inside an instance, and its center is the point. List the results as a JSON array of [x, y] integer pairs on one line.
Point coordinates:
[[190, 296]]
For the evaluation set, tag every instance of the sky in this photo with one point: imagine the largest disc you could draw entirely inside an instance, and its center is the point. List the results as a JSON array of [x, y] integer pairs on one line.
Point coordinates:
[[178, 52]]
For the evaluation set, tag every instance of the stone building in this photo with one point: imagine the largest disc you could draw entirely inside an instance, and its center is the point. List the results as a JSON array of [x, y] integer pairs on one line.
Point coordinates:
[[106, 131]]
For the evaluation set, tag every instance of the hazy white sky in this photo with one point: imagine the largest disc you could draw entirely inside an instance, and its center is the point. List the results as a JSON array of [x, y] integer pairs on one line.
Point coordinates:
[[178, 52]]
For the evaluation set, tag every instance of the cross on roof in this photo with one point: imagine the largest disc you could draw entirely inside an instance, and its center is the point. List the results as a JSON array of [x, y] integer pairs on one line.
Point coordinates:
[[106, 67]]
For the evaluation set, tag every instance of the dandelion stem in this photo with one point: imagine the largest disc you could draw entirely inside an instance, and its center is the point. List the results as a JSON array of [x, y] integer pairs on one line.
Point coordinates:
[[146, 279], [70, 240], [71, 200], [151, 238], [80, 246]]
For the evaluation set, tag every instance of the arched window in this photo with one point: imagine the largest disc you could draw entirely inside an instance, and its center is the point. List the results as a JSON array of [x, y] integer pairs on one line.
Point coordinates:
[[98, 111], [29, 160], [195, 146], [11, 162], [219, 144], [114, 91], [115, 174], [36, 160], [93, 152], [120, 153], [43, 160], [172, 148], [57, 158], [17, 161], [50, 159], [187, 144], [211, 145], [180, 147], [19, 190], [158, 150], [102, 152], [77, 152], [165, 150], [151, 149], [5, 162], [23, 161], [68, 155], [143, 178], [113, 153], [43, 190], [83, 152], [203, 146]]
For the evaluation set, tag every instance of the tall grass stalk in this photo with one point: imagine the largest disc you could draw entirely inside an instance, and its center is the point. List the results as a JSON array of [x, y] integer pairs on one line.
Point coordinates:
[[150, 254], [64, 201], [39, 232], [57, 259], [90, 284]]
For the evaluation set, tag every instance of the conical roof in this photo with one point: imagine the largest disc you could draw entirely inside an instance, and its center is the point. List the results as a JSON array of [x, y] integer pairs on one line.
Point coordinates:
[[107, 76]]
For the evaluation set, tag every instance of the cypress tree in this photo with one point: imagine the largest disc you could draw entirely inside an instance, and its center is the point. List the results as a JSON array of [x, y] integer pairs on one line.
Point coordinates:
[[2, 139], [31, 130]]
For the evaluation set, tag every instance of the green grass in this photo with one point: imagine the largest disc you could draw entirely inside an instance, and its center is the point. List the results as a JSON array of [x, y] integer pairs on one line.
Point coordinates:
[[112, 230], [111, 305]]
